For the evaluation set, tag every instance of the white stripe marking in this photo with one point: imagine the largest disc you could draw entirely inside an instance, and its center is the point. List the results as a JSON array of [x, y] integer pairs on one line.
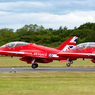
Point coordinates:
[[13, 52], [80, 53], [54, 55]]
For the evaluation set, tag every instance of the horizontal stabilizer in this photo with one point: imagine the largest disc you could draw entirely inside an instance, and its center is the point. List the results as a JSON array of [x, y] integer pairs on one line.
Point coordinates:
[[63, 60]]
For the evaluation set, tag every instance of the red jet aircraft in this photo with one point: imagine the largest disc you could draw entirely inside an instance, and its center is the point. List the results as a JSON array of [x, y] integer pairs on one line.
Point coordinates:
[[32, 53], [83, 50]]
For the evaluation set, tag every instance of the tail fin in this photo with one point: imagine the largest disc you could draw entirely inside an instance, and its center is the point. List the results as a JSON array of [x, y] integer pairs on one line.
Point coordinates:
[[68, 44]]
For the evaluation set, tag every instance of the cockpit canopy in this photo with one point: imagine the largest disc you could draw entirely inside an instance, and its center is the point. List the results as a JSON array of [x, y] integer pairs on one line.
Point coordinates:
[[84, 45], [14, 44]]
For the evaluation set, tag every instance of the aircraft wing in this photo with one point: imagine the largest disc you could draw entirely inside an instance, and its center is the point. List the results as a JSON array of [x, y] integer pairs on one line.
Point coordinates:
[[75, 54], [67, 54]]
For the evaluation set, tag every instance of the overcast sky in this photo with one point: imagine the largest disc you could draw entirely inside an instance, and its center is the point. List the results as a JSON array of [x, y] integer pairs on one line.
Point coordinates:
[[49, 13]]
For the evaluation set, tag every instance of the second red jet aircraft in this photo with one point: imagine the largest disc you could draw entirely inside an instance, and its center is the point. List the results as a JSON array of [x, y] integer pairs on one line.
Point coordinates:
[[83, 50]]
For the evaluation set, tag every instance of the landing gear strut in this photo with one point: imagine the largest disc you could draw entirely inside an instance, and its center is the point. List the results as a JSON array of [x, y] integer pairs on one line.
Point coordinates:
[[34, 65]]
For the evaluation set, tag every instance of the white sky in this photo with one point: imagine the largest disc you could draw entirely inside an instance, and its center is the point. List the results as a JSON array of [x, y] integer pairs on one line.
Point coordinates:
[[51, 14]]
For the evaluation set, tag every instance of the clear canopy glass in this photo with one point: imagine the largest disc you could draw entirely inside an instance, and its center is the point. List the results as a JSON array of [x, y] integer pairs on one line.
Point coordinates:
[[84, 45], [14, 44]]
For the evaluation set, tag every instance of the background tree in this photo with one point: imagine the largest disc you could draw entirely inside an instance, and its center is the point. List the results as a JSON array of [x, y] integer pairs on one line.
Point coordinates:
[[48, 37]]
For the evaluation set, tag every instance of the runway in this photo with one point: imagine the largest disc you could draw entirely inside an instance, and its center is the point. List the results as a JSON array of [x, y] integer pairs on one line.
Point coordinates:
[[47, 69]]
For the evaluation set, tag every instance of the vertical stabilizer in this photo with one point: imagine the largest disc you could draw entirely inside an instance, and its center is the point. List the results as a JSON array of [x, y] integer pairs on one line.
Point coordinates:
[[68, 44]]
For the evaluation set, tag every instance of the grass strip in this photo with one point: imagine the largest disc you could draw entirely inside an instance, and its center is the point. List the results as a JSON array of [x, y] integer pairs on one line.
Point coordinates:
[[47, 83], [15, 62]]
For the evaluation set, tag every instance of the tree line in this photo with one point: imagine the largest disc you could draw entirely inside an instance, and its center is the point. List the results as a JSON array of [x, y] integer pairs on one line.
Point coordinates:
[[48, 37]]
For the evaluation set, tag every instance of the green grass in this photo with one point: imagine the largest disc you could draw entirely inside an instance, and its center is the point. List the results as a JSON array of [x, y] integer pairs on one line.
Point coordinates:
[[12, 62], [46, 83], [15, 62]]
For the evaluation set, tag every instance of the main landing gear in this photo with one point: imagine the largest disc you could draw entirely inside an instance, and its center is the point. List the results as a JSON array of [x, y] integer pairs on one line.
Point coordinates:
[[68, 64], [34, 65]]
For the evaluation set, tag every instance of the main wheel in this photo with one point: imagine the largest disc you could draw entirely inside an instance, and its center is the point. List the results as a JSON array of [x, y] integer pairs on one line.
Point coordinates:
[[35, 65], [71, 62], [68, 64]]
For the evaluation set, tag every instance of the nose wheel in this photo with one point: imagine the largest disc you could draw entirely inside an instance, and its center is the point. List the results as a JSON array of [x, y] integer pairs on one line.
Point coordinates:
[[35, 65]]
